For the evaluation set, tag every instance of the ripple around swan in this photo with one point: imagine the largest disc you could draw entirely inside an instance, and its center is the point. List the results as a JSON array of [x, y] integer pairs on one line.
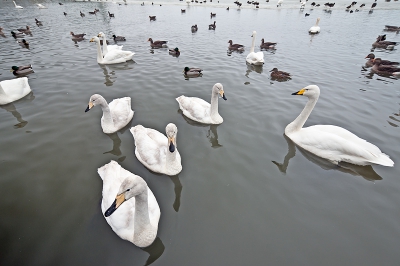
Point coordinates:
[[241, 187]]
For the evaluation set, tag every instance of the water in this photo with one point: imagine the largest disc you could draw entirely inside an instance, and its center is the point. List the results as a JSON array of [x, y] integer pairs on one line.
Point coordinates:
[[246, 195]]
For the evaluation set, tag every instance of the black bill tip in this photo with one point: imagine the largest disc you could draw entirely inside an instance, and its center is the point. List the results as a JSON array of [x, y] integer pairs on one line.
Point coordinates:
[[87, 109], [171, 147], [112, 209], [295, 93], [223, 97]]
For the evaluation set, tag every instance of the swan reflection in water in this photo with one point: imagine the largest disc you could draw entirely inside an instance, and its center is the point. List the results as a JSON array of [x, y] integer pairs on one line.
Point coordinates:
[[253, 68], [116, 150], [109, 70], [155, 251], [367, 172], [10, 107], [178, 192]]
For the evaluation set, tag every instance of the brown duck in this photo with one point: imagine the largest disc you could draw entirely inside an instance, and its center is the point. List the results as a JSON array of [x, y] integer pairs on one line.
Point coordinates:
[[267, 45], [157, 44], [371, 58], [279, 75], [388, 70]]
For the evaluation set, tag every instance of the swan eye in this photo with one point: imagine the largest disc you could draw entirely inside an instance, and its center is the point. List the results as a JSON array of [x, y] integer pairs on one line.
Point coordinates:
[[128, 189]]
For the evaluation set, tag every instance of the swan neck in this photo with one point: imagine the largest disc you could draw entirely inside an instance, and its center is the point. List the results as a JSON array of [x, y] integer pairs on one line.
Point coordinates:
[[105, 49], [99, 53], [142, 225], [107, 117], [253, 44], [298, 123], [214, 105]]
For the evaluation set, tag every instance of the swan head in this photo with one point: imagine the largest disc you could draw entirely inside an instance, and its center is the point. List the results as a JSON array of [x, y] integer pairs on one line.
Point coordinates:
[[130, 187], [95, 99], [171, 130], [311, 91], [219, 89], [101, 35], [254, 34]]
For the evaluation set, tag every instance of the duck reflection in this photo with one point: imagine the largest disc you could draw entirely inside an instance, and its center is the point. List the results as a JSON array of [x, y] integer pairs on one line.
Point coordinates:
[[11, 108], [109, 70], [155, 251], [367, 172], [251, 68], [395, 119]]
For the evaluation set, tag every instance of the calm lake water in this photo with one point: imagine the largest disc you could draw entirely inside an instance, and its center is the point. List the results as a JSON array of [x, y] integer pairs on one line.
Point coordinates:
[[246, 195]]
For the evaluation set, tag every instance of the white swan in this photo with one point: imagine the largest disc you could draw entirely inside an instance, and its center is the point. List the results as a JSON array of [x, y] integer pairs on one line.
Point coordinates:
[[255, 58], [201, 111], [279, 3], [113, 56], [315, 29], [333, 143], [13, 89], [129, 206], [116, 115], [17, 6], [106, 47], [41, 6], [156, 151]]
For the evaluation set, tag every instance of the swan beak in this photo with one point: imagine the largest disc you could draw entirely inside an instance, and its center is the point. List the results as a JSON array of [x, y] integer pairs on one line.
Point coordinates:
[[221, 92], [171, 145], [300, 92], [91, 40], [117, 202], [90, 105]]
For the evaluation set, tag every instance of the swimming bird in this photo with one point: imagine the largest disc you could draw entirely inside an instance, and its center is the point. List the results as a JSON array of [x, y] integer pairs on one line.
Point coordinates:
[[157, 44], [315, 29], [65, 14], [235, 46], [111, 15], [392, 28], [60, 4], [183, 10], [81, 35], [371, 60], [38, 22], [212, 26], [129, 206], [267, 45], [201, 111], [152, 18], [118, 38], [23, 43], [255, 58], [22, 70], [194, 28], [279, 3], [330, 142], [112, 57], [116, 115], [82, 14], [16, 35], [279, 75], [175, 52], [192, 72], [373, 6], [213, 14], [17, 6], [1, 32], [382, 69], [40, 6], [306, 14], [158, 152], [13, 89], [382, 43], [26, 30], [107, 48]]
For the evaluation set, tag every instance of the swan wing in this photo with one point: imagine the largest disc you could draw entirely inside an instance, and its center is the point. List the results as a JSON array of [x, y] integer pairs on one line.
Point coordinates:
[[195, 108], [114, 57], [255, 58], [13, 89], [114, 47], [121, 111]]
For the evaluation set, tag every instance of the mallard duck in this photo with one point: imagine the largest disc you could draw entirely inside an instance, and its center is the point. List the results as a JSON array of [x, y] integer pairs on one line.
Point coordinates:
[[315, 29], [253, 58], [13, 89], [174, 52], [16, 35], [330, 142], [157, 44], [212, 26], [152, 18], [118, 38], [279, 75], [23, 43], [267, 45], [235, 46], [129, 206], [117, 114], [113, 56], [371, 58], [194, 28], [17, 6], [158, 152], [22, 70], [381, 69], [192, 72], [201, 111]]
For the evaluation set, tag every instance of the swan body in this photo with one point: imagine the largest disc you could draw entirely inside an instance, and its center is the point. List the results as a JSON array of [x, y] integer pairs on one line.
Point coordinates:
[[315, 29], [40, 6], [117, 114], [113, 56], [17, 6], [107, 47], [255, 58], [330, 142], [156, 151], [129, 206], [13, 89], [201, 111]]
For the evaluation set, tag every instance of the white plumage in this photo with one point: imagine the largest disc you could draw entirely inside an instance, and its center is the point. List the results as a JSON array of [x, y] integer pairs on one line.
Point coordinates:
[[255, 58], [13, 89], [112, 57], [333, 143], [315, 29], [107, 47], [17, 6]]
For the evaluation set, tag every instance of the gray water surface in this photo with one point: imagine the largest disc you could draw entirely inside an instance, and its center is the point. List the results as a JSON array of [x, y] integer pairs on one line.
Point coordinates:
[[246, 195]]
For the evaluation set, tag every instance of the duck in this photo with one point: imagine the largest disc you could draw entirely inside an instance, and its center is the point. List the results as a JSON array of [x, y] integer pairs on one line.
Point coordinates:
[[65, 14], [40, 6], [279, 75], [157, 44], [77, 36], [212, 26], [330, 142], [1, 32], [111, 15], [392, 28], [235, 46], [23, 43], [201, 111], [175, 52], [26, 30], [118, 38], [17, 6], [38, 22], [107, 47], [128, 204], [22, 70], [112, 57], [152, 18], [13, 89], [382, 43], [315, 29], [157, 152], [253, 58], [213, 14], [382, 69], [192, 72], [371, 58], [267, 45], [16, 35], [194, 28], [82, 14], [116, 115]]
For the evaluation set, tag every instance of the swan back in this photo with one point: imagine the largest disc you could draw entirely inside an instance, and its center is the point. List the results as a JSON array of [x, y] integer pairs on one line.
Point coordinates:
[[315, 29], [13, 89]]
